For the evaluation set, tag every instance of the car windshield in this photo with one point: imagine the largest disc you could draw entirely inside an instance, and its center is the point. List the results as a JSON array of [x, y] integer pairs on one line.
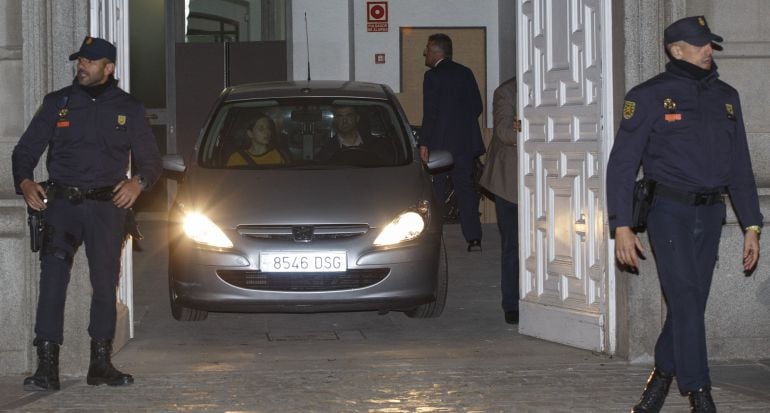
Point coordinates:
[[305, 133]]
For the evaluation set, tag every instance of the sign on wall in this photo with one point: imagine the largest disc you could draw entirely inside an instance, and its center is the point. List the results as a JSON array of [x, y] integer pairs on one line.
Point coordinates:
[[376, 16]]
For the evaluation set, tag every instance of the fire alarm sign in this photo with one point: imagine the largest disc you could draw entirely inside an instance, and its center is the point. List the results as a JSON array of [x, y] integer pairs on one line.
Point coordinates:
[[377, 16]]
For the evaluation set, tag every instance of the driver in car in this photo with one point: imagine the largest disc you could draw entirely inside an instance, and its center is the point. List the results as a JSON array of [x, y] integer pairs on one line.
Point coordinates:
[[348, 135]]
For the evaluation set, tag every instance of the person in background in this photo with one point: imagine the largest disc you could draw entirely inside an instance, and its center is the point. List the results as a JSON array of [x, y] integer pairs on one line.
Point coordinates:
[[451, 108], [260, 148], [501, 178]]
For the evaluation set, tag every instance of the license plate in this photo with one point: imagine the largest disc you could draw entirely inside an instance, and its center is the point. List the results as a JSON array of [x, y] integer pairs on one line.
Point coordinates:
[[326, 261]]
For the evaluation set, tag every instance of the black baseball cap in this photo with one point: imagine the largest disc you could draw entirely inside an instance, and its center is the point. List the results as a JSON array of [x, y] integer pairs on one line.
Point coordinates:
[[94, 48], [693, 30]]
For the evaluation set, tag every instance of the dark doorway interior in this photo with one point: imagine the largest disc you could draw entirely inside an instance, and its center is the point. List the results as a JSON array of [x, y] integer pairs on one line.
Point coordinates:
[[178, 64], [204, 69]]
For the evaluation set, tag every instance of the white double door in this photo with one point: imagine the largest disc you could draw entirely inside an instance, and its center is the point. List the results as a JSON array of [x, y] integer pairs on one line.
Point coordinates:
[[565, 104]]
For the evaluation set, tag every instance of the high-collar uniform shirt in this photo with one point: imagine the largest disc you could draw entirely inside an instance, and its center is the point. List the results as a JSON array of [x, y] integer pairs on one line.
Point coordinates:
[[90, 140], [686, 129]]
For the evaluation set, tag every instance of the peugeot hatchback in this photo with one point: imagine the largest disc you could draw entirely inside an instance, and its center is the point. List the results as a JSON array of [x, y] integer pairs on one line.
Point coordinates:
[[306, 197]]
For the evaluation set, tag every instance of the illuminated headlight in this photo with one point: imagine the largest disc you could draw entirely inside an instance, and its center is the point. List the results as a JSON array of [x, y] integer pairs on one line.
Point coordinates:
[[201, 230], [406, 227]]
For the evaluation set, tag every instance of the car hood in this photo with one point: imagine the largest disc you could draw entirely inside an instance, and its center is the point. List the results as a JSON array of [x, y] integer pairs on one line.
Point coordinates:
[[372, 196]]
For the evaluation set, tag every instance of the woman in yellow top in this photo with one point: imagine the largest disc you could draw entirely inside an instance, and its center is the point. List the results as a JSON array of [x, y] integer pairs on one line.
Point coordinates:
[[261, 150]]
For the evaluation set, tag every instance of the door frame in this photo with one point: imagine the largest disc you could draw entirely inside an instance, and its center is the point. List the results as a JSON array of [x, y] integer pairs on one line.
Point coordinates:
[[109, 19], [608, 124]]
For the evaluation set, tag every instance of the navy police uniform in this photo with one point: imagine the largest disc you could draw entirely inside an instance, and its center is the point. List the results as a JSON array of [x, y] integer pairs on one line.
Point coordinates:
[[685, 126], [90, 142]]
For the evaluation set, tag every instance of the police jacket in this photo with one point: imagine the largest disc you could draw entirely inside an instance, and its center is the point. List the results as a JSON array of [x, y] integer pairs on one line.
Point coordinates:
[[89, 139], [689, 135]]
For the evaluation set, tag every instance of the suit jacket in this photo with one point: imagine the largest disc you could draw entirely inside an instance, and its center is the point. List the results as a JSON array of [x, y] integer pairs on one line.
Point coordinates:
[[451, 108], [501, 169]]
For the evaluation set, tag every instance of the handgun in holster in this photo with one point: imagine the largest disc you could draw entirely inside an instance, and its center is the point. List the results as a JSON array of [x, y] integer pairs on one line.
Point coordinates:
[[132, 227], [36, 222], [644, 193]]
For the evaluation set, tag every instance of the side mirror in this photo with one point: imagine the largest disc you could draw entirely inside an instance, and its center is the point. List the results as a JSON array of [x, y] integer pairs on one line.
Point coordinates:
[[173, 166], [439, 160]]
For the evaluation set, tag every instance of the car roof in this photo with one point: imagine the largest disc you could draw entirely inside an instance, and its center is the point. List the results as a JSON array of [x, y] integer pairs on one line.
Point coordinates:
[[313, 88]]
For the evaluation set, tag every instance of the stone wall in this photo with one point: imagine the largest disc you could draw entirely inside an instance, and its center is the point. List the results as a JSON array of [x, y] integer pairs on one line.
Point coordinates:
[[738, 314], [16, 312], [35, 43]]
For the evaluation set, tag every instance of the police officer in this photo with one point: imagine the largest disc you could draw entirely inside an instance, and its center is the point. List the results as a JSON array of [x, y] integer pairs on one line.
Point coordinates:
[[686, 128], [92, 129]]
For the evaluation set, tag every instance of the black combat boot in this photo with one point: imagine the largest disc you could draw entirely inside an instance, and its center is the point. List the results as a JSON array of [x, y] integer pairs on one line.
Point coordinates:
[[655, 392], [101, 370], [46, 376], [701, 401]]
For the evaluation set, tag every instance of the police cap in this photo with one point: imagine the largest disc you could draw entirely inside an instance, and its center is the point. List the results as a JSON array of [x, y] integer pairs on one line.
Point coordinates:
[[94, 48], [693, 30]]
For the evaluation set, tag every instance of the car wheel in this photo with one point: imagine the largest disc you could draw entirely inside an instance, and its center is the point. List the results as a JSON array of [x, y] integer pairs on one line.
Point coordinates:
[[180, 312], [435, 308]]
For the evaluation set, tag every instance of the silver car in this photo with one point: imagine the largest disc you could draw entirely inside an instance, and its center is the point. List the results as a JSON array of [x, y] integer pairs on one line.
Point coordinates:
[[306, 197]]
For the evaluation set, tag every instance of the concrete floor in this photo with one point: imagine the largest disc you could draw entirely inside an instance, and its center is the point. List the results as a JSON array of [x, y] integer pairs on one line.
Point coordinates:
[[468, 360]]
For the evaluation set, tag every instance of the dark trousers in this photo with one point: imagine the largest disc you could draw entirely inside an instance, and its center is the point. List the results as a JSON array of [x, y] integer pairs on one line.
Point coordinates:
[[508, 224], [467, 197], [100, 225], [685, 240]]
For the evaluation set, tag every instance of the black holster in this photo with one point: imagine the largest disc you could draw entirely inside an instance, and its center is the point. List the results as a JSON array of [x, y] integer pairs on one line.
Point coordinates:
[[132, 227], [644, 193], [36, 222]]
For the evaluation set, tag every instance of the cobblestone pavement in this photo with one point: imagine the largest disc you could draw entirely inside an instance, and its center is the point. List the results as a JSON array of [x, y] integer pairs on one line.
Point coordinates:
[[468, 360]]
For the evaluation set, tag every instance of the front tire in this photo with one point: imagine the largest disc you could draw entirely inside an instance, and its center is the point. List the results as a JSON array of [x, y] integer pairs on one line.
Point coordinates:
[[180, 312], [436, 307]]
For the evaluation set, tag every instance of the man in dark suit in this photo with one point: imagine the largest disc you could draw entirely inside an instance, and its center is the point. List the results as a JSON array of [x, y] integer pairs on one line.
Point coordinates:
[[451, 108], [350, 136]]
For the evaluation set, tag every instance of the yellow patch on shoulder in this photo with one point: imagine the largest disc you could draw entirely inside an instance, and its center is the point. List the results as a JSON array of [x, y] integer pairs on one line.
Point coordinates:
[[628, 109]]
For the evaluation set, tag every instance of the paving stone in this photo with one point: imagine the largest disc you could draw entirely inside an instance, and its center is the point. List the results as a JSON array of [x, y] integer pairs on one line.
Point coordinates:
[[468, 360]]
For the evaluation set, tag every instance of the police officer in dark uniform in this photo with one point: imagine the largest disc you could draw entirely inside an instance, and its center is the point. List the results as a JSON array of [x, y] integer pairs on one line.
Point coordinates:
[[686, 128], [92, 130]]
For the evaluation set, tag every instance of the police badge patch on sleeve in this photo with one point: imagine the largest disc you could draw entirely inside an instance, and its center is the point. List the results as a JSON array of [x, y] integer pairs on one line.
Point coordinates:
[[730, 111], [121, 125], [628, 109]]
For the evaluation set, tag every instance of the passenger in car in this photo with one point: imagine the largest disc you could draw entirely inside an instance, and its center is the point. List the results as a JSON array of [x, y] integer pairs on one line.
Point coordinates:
[[349, 135], [260, 148]]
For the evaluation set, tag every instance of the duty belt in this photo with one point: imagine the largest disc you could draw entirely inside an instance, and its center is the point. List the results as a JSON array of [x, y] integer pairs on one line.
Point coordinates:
[[689, 198], [77, 195]]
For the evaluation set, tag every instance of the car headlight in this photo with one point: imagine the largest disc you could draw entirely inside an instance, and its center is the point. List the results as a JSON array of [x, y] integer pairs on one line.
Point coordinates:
[[201, 230], [405, 227]]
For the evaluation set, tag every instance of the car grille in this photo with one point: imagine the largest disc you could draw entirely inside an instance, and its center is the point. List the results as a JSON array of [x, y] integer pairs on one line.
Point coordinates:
[[302, 233], [305, 281]]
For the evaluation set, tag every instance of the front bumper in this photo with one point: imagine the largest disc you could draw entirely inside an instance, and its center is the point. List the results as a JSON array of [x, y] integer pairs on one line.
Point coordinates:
[[383, 279]]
